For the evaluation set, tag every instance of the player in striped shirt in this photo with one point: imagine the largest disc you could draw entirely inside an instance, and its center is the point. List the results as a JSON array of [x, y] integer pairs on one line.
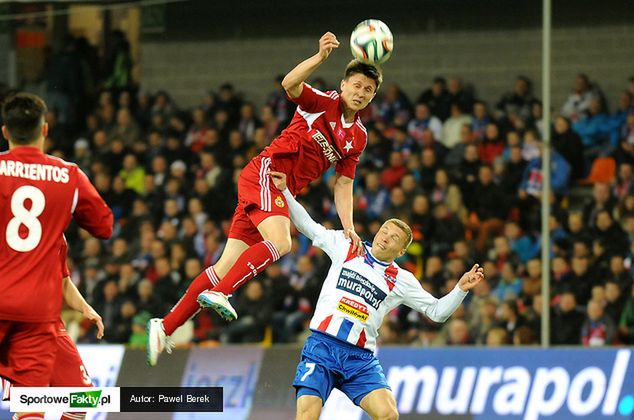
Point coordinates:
[[357, 293]]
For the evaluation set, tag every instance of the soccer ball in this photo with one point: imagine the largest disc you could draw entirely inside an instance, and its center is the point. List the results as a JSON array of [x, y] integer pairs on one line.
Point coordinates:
[[372, 42]]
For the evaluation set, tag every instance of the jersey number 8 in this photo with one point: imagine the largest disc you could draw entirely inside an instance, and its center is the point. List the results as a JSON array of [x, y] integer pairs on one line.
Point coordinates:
[[26, 217]]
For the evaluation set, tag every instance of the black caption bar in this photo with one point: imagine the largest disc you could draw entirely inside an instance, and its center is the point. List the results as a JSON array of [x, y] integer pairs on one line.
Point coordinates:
[[171, 399]]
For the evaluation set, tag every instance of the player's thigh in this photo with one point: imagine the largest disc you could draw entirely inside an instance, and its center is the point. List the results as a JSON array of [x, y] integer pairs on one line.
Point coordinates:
[[233, 249], [277, 229], [308, 407], [364, 375], [380, 404], [313, 378], [69, 369], [32, 353]]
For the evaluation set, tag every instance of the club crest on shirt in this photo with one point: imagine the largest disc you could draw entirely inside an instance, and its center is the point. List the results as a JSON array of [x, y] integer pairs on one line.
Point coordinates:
[[279, 202]]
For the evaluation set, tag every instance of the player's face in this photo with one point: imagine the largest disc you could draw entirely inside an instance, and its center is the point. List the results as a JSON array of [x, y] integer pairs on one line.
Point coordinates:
[[388, 243], [357, 91]]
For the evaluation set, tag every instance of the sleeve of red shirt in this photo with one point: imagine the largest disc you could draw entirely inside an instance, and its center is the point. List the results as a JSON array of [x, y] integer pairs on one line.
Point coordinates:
[[91, 212], [348, 166], [312, 100]]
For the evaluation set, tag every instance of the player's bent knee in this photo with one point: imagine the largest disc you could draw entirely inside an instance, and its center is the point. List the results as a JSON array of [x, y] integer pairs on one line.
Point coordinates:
[[389, 413], [283, 245]]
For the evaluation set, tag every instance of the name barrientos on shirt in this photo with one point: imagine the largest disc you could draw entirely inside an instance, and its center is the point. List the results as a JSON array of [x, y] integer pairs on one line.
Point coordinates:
[[34, 171]]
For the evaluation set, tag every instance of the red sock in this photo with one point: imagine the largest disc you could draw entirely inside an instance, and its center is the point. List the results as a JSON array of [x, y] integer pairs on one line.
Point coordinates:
[[187, 306], [73, 416], [252, 262], [27, 416]]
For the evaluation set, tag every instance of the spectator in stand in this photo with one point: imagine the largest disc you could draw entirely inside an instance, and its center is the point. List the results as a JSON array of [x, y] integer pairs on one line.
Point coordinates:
[[508, 317], [394, 105], [248, 121], [132, 174], [595, 131], [497, 337], [125, 128], [530, 189], [566, 322], [270, 123], [480, 119], [610, 232], [437, 98], [423, 119], [510, 285], [614, 301], [444, 191], [392, 175], [454, 156], [453, 125], [375, 197], [624, 184], [577, 106], [282, 107], [518, 103], [255, 315], [461, 95], [598, 330], [626, 324], [568, 144], [491, 145], [488, 208], [618, 273]]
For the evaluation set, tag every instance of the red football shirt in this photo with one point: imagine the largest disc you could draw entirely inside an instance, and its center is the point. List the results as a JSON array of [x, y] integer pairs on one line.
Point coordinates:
[[38, 196], [317, 138]]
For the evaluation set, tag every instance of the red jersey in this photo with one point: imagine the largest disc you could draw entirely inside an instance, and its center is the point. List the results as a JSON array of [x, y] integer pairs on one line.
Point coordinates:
[[38, 195], [317, 138]]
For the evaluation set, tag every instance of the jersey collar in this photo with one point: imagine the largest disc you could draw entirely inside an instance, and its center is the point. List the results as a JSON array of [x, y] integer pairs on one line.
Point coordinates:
[[371, 259]]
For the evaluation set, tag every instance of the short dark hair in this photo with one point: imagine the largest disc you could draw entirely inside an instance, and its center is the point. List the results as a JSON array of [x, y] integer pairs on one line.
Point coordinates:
[[23, 115], [368, 70]]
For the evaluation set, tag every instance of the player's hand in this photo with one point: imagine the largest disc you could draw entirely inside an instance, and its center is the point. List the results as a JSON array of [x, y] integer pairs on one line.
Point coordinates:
[[327, 43], [357, 245], [92, 315], [279, 180], [471, 278]]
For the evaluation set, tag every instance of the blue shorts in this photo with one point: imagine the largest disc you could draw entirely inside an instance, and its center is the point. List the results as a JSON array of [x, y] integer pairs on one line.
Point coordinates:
[[328, 363]]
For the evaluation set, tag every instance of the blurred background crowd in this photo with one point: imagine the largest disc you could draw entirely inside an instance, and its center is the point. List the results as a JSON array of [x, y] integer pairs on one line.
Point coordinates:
[[464, 173]]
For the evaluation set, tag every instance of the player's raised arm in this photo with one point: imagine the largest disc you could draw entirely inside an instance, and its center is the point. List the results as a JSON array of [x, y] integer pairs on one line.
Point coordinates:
[[294, 81], [343, 203], [439, 310], [299, 216]]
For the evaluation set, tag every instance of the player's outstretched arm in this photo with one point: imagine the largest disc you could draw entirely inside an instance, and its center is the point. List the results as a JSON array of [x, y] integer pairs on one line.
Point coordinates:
[[439, 310], [299, 216], [293, 83], [471, 278], [76, 301], [343, 203]]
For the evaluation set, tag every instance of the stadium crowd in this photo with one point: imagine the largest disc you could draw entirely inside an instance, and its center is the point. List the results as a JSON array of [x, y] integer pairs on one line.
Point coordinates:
[[464, 173]]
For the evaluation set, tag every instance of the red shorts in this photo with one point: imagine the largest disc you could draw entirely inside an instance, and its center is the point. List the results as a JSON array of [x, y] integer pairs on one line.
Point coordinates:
[[258, 199], [27, 352], [68, 369]]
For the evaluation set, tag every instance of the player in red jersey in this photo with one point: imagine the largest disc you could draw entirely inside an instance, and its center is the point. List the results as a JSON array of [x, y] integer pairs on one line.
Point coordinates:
[[68, 369], [326, 130], [38, 196]]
